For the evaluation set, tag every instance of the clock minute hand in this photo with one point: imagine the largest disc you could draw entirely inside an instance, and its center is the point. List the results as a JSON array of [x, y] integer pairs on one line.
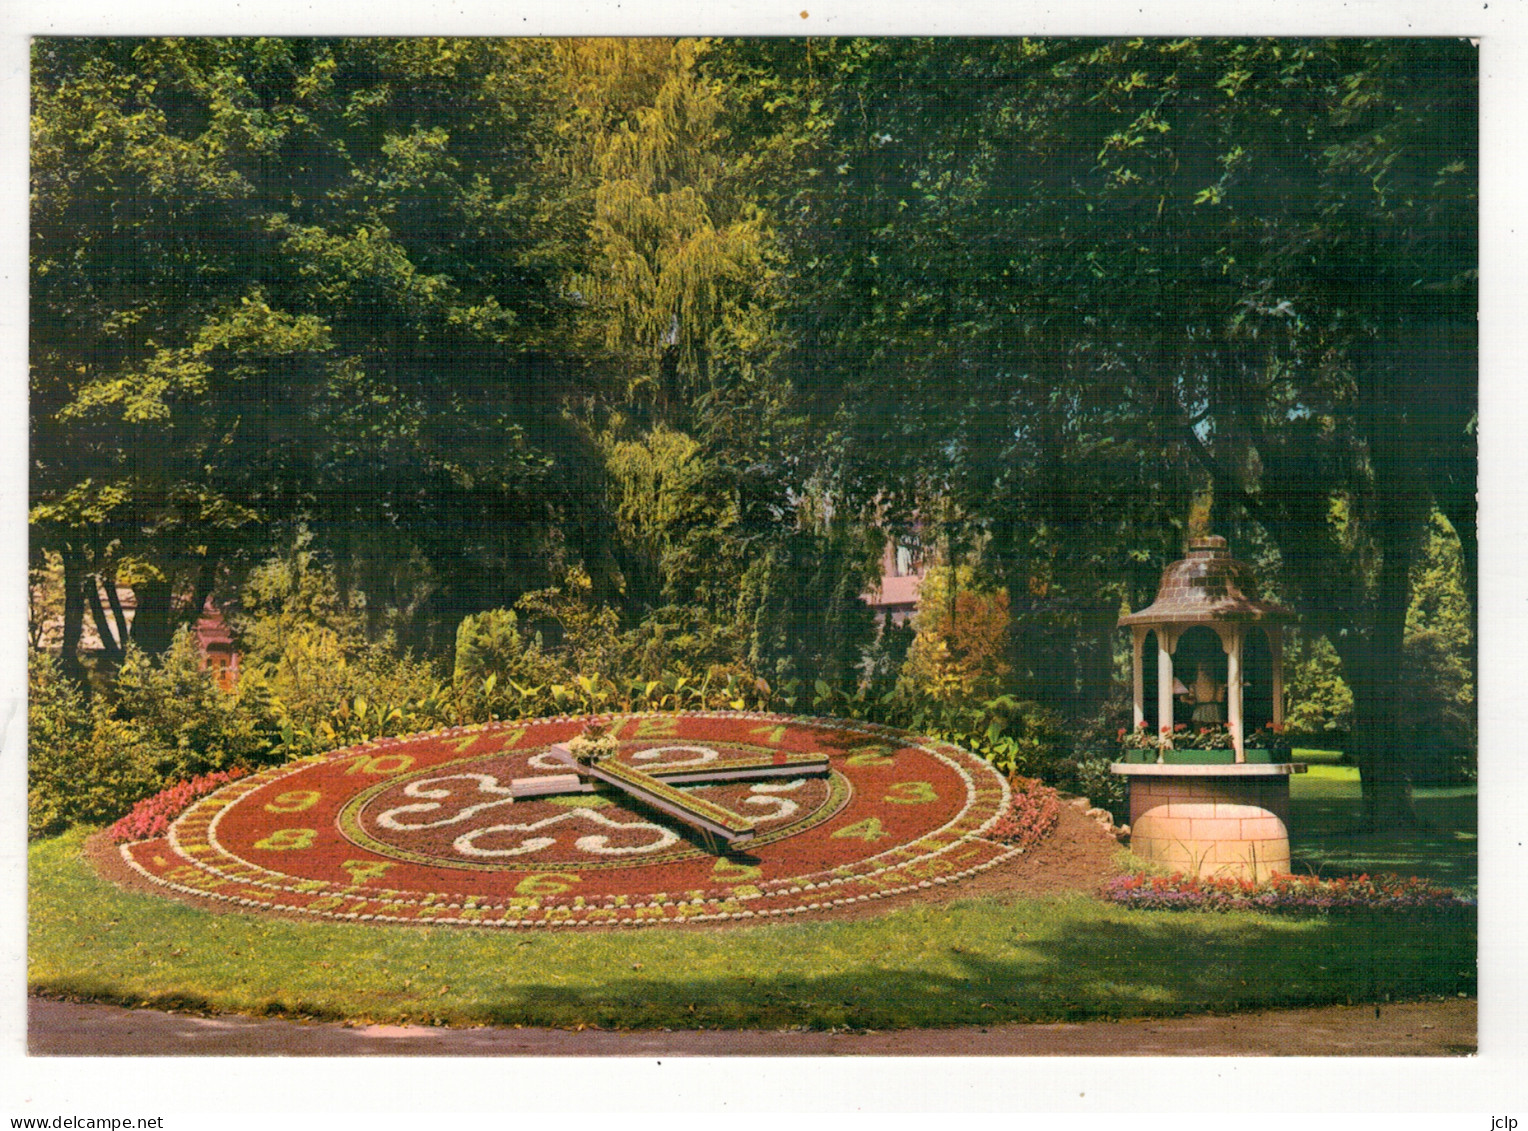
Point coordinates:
[[751, 768], [747, 768]]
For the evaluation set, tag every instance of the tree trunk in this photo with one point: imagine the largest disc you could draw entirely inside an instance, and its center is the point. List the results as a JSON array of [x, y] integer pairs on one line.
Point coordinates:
[[1372, 665], [151, 625], [1374, 744], [118, 616], [113, 648], [74, 616]]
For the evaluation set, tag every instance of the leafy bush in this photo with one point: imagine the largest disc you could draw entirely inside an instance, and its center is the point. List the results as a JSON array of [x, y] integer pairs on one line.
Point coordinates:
[[1092, 778], [1438, 740], [323, 696], [498, 673], [291, 596], [488, 644], [1441, 734], [960, 642], [1320, 701], [180, 711], [63, 775], [585, 633], [156, 724], [1283, 893], [686, 641]]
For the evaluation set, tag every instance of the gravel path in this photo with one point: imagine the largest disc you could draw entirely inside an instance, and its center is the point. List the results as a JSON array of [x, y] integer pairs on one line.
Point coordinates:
[[1442, 1028]]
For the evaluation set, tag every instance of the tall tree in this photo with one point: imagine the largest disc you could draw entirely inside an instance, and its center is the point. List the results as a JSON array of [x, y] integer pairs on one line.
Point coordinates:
[[1034, 274], [1305, 294], [285, 278]]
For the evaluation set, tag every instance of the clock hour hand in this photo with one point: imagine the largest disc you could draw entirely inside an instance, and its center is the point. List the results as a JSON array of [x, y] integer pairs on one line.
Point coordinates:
[[711, 820]]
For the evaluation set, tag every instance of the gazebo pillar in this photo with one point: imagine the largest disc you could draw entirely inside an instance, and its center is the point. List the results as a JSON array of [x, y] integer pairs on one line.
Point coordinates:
[[1138, 677], [1164, 687], [1232, 642]]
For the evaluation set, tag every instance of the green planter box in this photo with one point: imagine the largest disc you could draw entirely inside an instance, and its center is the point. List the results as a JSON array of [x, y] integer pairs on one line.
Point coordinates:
[[1201, 757]]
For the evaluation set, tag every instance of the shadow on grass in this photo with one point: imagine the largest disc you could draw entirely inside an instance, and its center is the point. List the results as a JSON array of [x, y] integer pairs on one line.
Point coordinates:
[[1326, 840], [971, 962], [1133, 965]]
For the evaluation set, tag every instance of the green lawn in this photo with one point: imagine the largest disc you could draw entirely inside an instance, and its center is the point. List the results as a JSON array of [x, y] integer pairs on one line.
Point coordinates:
[[973, 962], [1324, 838]]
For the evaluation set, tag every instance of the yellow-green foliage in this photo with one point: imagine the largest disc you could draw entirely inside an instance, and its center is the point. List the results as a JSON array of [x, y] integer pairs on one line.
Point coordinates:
[[324, 695], [1440, 735], [672, 504], [1320, 700], [590, 631], [498, 673], [680, 258], [290, 596], [961, 626]]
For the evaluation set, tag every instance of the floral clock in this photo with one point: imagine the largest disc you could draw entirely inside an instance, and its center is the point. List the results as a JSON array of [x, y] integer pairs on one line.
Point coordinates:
[[497, 826]]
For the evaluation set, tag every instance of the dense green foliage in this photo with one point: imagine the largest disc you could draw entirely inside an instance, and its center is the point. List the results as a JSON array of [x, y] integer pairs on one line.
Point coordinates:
[[160, 723], [481, 377]]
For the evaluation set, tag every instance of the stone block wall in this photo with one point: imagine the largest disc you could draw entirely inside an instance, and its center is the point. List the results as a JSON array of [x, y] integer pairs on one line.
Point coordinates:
[[1209, 826]]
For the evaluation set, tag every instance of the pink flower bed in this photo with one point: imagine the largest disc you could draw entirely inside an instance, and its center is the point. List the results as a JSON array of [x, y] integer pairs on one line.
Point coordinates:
[[151, 817], [1031, 816], [1296, 894]]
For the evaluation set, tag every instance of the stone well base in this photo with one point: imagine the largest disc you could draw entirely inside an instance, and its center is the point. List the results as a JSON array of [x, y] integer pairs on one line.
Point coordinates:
[[1212, 820]]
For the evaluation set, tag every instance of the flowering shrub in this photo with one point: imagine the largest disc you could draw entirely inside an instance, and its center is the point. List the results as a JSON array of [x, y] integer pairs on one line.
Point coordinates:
[[1294, 894], [1186, 736], [151, 817], [1140, 738], [1032, 813]]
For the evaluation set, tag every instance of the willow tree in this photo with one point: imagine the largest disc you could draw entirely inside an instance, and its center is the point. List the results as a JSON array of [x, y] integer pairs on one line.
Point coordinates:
[[678, 279], [678, 322]]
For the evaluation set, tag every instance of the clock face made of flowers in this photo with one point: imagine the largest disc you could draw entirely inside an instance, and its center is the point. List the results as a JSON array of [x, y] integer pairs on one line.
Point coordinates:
[[683, 817]]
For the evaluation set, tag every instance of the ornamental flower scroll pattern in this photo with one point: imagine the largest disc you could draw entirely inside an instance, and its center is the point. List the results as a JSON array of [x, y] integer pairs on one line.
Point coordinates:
[[458, 799]]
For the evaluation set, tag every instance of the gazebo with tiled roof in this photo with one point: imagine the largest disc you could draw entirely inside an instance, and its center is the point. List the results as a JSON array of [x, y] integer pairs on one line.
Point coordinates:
[[1211, 812], [1212, 589]]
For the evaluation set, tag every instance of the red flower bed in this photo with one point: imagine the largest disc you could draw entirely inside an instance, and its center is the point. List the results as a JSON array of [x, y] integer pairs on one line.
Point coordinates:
[[152, 816], [1032, 813]]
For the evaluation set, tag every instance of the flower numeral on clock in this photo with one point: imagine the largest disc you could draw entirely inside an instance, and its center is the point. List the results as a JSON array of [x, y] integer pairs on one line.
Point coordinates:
[[548, 883], [293, 801], [383, 763], [868, 829], [877, 755], [911, 793], [283, 840]]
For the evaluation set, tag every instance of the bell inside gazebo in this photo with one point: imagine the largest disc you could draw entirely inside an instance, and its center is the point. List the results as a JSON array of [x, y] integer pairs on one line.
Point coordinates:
[[1208, 768]]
